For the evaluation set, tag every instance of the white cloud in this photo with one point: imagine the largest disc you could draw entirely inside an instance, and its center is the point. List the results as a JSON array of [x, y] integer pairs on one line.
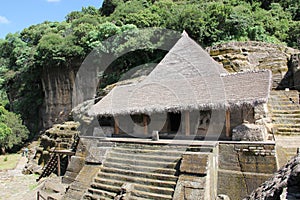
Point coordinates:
[[4, 20], [53, 1]]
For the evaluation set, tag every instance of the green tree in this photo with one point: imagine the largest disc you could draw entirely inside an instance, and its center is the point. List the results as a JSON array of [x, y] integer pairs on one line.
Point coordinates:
[[12, 132]]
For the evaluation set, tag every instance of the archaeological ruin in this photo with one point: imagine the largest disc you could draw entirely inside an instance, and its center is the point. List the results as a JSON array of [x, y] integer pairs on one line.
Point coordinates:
[[204, 124]]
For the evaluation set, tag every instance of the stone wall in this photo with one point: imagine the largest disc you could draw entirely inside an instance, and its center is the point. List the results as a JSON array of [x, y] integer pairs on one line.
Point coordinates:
[[285, 184], [242, 167], [242, 56], [198, 176], [60, 136]]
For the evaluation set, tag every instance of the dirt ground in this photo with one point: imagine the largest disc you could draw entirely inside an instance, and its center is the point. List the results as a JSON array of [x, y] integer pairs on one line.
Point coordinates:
[[14, 185]]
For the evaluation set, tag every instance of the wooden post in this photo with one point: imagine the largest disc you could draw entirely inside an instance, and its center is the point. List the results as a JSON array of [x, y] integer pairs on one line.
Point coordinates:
[[227, 123], [117, 130], [187, 123], [145, 123], [58, 164]]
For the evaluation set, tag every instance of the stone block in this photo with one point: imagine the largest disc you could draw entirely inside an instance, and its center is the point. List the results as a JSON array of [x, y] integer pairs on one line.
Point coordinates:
[[190, 188], [228, 157], [76, 164], [69, 177], [238, 185], [96, 155], [248, 132], [106, 144], [194, 163]]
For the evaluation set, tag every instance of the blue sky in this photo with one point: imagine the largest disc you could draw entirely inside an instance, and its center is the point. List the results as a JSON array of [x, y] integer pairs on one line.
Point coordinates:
[[15, 15]]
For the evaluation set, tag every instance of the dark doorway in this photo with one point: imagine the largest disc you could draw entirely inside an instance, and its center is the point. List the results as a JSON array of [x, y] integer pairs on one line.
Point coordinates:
[[175, 120]]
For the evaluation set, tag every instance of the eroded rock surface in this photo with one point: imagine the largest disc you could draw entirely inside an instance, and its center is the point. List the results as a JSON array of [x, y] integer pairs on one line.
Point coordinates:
[[243, 56]]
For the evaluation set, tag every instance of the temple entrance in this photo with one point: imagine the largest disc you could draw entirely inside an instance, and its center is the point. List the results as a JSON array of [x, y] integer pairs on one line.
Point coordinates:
[[175, 121]]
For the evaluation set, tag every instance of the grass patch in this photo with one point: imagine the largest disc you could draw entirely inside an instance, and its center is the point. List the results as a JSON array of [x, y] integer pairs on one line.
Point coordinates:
[[9, 161], [33, 186]]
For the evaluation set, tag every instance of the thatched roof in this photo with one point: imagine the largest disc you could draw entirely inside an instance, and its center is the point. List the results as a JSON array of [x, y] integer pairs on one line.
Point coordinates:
[[186, 79]]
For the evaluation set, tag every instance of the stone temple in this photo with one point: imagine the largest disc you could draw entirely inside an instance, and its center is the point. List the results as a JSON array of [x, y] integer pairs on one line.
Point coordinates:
[[189, 130]]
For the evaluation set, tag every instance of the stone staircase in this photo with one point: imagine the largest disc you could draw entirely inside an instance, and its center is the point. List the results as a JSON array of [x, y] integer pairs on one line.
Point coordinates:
[[151, 169], [285, 111]]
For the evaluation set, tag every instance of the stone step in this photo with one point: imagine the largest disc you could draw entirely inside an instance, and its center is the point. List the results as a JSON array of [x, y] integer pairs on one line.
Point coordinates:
[[286, 111], [151, 196], [286, 133], [140, 180], [100, 193], [138, 198], [139, 156], [147, 163], [99, 182], [156, 190], [288, 129], [283, 92], [291, 101], [166, 171], [286, 115], [283, 97], [106, 187], [287, 125], [284, 120], [144, 174], [286, 107], [174, 153], [150, 146]]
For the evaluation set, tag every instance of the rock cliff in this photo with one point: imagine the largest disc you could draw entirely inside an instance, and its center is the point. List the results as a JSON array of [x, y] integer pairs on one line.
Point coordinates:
[[57, 85], [243, 56]]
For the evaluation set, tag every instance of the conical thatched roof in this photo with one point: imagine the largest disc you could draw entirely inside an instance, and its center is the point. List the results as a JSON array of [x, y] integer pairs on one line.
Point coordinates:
[[186, 79]]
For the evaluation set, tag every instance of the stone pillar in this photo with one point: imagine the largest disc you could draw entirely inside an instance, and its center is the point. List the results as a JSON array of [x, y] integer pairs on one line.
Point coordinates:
[[187, 123]]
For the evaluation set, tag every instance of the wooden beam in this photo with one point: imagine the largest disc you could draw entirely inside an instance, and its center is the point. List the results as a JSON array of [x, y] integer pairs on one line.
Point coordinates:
[[145, 124], [58, 165], [227, 123], [187, 123], [116, 127]]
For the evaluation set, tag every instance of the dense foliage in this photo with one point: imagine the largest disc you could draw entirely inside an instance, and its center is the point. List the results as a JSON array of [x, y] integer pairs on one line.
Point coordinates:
[[12, 132], [24, 55]]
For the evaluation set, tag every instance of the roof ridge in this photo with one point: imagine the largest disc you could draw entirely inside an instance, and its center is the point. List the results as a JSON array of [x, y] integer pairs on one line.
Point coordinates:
[[245, 72]]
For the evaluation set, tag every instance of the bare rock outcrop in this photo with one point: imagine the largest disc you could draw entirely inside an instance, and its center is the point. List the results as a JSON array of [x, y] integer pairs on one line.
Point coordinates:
[[243, 56], [57, 86]]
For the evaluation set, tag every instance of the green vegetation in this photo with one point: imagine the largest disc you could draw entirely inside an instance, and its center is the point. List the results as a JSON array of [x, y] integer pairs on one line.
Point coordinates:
[[25, 55], [33, 186], [12, 132], [9, 161]]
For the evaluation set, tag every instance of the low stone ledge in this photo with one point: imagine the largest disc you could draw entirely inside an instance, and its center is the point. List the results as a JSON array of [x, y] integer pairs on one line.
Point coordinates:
[[194, 163]]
